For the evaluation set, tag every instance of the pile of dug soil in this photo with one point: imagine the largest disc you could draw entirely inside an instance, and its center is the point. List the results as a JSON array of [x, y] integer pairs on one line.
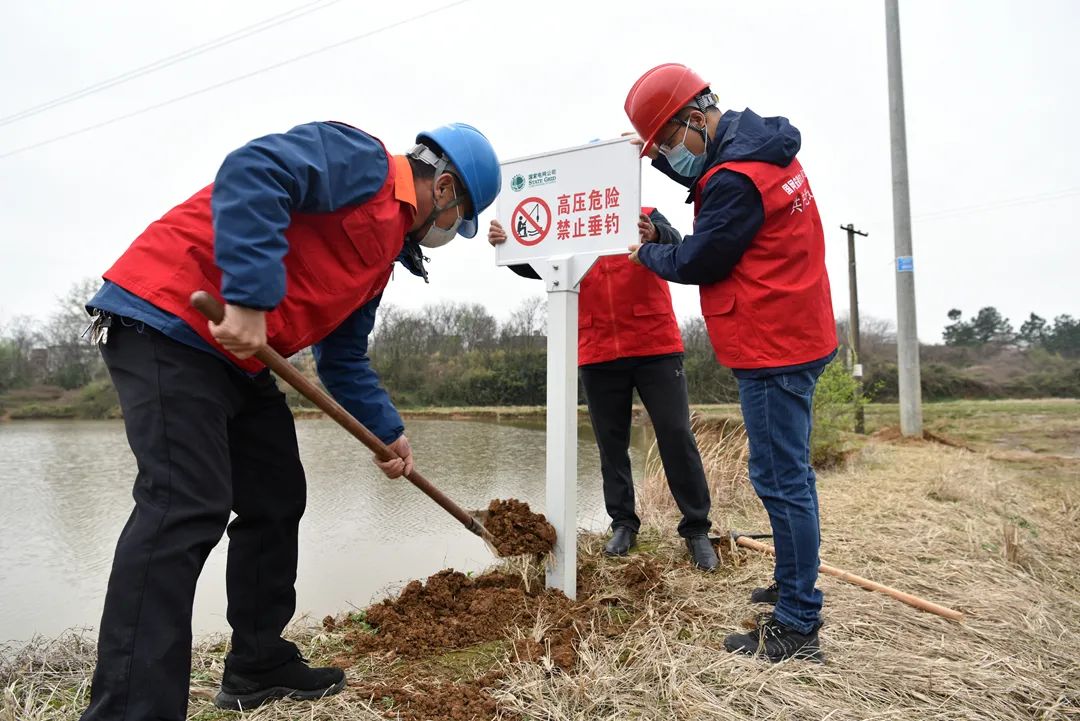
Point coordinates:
[[454, 611], [517, 530], [429, 622]]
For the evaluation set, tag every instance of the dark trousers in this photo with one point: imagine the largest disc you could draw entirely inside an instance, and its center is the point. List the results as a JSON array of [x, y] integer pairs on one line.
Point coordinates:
[[208, 440], [661, 384], [778, 412]]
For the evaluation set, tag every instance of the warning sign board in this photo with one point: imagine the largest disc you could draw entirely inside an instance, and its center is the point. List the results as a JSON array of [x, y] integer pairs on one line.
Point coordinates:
[[530, 221], [577, 201]]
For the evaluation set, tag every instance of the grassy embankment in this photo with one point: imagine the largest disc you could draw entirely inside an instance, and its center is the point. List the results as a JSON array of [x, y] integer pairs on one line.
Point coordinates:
[[987, 525]]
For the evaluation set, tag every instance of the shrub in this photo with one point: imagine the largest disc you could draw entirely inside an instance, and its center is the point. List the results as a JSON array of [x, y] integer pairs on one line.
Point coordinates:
[[98, 400], [834, 415]]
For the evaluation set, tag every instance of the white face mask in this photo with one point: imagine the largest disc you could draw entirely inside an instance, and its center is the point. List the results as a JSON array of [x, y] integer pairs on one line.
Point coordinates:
[[436, 236]]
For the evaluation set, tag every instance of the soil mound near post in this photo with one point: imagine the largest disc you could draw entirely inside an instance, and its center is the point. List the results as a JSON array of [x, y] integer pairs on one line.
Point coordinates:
[[453, 611], [517, 530]]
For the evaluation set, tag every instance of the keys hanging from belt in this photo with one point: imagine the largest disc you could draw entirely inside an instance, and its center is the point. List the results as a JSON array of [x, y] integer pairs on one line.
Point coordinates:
[[98, 329]]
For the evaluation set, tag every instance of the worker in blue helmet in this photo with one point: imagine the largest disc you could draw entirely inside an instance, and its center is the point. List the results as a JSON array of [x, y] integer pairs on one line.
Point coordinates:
[[298, 236], [467, 155]]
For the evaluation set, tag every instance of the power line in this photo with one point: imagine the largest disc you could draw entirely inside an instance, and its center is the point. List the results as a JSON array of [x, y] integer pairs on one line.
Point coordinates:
[[959, 211], [219, 42], [1007, 203], [230, 81], [950, 213]]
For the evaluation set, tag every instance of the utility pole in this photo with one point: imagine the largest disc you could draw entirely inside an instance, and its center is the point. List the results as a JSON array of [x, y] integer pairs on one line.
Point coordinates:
[[853, 326], [907, 337]]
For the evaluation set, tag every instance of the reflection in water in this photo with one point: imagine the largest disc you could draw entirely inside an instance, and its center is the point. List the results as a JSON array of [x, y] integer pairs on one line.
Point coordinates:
[[66, 490]]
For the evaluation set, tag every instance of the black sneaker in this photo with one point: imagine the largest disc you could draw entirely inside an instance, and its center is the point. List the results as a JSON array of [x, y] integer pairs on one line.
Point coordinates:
[[766, 595], [622, 540], [776, 642], [702, 552], [293, 680]]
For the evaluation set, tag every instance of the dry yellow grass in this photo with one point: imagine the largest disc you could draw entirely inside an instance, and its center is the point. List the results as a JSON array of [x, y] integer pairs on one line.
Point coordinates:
[[995, 539], [948, 524], [722, 444]]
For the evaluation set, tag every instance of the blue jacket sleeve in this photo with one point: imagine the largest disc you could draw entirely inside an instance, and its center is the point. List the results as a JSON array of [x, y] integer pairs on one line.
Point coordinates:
[[345, 369], [665, 232], [317, 167], [731, 215]]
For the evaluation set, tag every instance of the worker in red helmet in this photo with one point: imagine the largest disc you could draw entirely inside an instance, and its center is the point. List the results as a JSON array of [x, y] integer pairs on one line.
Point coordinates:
[[628, 339], [758, 252]]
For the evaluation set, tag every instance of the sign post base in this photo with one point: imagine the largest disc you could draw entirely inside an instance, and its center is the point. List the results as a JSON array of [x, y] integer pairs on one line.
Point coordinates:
[[561, 277]]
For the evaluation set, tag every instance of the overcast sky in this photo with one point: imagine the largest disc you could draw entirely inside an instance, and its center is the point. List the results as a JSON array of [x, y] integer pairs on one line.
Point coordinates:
[[991, 92]]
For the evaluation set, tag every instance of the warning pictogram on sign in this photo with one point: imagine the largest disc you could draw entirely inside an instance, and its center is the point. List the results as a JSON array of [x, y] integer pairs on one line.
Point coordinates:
[[579, 202], [531, 221]]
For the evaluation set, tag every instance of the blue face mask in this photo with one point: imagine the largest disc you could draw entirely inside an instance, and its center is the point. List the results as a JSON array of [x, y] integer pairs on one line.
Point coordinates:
[[682, 161]]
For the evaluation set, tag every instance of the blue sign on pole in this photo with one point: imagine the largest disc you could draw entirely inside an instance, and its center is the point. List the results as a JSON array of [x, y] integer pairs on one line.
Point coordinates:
[[905, 264]]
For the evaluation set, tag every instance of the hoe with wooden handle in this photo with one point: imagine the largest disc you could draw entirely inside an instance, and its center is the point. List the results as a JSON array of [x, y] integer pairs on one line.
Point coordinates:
[[747, 541], [212, 308]]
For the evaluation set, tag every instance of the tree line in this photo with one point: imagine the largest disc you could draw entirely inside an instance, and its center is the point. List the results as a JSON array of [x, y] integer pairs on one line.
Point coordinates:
[[990, 327], [51, 351], [459, 354]]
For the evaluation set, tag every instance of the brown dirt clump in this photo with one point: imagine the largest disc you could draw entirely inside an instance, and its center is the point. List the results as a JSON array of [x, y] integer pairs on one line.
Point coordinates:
[[450, 611], [453, 611], [557, 644], [421, 700], [642, 576], [517, 530]]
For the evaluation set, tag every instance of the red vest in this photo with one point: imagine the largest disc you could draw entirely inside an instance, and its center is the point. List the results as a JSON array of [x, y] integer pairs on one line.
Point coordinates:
[[775, 309], [337, 262], [624, 311]]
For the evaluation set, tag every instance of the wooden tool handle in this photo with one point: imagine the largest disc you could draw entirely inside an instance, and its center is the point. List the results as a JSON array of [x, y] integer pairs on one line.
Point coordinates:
[[214, 311], [914, 601]]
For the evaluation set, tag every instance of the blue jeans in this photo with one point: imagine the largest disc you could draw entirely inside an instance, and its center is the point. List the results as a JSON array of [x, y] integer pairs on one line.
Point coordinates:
[[778, 414]]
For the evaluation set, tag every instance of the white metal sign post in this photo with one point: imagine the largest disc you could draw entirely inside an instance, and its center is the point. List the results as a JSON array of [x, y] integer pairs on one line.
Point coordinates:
[[562, 210]]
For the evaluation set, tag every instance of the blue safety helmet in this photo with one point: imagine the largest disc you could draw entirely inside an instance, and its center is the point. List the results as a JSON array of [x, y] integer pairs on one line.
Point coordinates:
[[474, 163]]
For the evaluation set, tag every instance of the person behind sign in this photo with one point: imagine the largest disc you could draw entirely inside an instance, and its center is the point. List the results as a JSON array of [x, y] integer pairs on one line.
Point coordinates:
[[299, 234], [628, 338], [758, 253]]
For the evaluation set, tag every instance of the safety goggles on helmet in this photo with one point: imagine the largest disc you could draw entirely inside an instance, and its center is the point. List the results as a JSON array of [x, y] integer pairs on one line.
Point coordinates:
[[441, 163], [436, 236]]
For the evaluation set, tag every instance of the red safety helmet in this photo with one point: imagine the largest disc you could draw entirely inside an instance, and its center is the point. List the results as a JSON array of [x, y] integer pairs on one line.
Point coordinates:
[[658, 95]]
